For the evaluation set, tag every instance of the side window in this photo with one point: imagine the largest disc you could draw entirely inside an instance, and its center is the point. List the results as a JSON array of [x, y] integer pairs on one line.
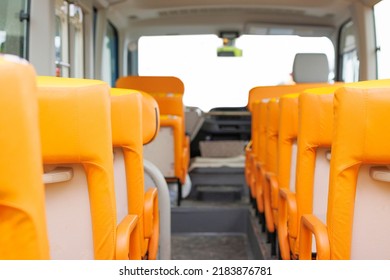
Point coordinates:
[[69, 40], [348, 59], [76, 28], [110, 55], [14, 27], [132, 59], [382, 23]]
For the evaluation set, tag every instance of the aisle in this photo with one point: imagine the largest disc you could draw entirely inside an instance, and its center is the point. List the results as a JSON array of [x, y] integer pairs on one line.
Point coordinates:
[[210, 247]]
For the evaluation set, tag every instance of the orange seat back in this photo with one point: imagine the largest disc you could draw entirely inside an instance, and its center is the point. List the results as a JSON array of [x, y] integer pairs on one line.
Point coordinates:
[[23, 232], [358, 211], [168, 92], [314, 142], [76, 132], [270, 166], [127, 137]]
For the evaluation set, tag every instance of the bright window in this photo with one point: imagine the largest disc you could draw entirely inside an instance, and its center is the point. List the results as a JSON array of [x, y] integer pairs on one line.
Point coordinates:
[[211, 81], [13, 28], [69, 40], [77, 39], [382, 23], [349, 62]]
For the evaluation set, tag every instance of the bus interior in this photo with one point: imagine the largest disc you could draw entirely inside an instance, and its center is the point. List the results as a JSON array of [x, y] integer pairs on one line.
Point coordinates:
[[206, 130]]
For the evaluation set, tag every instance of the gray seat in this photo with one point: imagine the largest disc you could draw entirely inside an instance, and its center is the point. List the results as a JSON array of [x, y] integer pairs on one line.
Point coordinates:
[[305, 63]]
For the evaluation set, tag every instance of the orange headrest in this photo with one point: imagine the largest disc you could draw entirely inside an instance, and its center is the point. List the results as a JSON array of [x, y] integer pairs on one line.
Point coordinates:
[[288, 117], [262, 92], [73, 111], [316, 110], [150, 118], [152, 84], [170, 104], [126, 118], [150, 115], [76, 128], [22, 203]]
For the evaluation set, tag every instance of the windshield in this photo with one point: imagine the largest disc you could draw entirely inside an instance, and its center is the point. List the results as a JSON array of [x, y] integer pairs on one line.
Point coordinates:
[[214, 81]]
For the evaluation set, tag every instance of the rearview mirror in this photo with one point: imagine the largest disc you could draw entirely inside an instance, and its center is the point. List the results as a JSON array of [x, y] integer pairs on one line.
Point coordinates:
[[229, 49]]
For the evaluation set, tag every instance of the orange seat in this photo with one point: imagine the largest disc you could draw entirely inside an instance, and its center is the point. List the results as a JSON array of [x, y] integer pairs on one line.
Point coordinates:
[[259, 160], [168, 92], [269, 170], [304, 77], [357, 225], [287, 154], [127, 137], [251, 148], [76, 139], [312, 167], [271, 197], [23, 232]]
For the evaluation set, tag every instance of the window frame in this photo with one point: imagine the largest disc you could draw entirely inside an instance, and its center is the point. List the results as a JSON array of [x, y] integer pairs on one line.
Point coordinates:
[[378, 47]]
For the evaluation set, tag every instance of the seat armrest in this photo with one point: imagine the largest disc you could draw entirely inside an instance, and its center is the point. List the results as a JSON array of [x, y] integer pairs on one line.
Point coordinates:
[[248, 151], [123, 236], [310, 225], [274, 185], [185, 159], [248, 147], [252, 173], [292, 213], [258, 184], [186, 151], [152, 221], [150, 195]]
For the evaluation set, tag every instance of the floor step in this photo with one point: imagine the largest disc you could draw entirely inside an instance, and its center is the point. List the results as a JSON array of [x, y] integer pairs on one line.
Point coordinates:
[[194, 226], [210, 247]]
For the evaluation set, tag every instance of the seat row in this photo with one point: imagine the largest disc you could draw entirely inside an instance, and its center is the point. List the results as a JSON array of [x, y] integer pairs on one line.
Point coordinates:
[[317, 169], [261, 163], [72, 178]]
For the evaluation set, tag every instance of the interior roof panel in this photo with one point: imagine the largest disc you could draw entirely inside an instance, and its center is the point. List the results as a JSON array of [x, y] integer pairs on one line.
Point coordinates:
[[164, 14]]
